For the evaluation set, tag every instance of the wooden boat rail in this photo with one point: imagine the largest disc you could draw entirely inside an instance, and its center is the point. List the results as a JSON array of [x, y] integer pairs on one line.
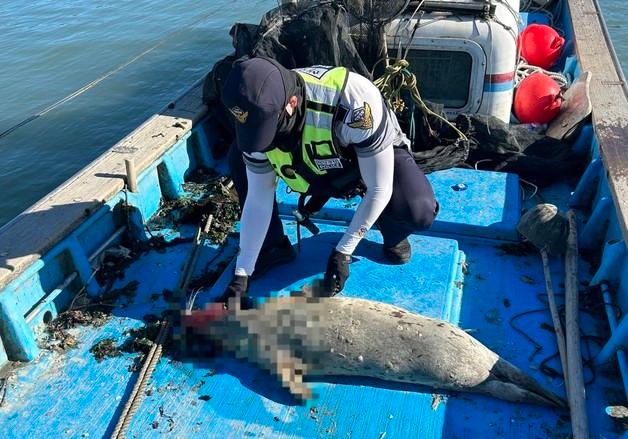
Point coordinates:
[[609, 95], [35, 231]]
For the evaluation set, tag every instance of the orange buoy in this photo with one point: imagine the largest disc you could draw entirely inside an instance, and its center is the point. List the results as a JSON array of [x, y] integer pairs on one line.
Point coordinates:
[[541, 45], [537, 99]]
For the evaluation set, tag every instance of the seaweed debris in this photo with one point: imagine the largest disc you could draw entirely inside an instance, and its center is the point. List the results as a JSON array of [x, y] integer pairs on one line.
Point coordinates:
[[206, 193], [115, 260], [112, 264], [139, 341], [169, 419], [60, 339], [85, 311], [106, 348]]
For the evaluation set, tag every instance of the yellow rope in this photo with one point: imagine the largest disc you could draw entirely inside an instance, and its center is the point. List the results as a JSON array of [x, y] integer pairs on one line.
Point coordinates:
[[396, 78]]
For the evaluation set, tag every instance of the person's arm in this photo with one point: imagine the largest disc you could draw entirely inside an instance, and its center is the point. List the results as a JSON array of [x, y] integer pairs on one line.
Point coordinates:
[[370, 128], [377, 173], [255, 219]]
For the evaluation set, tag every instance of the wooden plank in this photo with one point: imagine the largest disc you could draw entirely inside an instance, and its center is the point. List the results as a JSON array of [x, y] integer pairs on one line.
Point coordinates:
[[40, 227], [609, 98]]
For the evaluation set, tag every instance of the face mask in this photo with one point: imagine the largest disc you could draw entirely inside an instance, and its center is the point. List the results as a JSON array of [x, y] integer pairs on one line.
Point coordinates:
[[284, 125], [289, 128]]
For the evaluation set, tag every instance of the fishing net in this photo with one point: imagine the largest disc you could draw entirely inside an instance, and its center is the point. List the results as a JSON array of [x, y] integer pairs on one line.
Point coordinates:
[[302, 36], [299, 35], [370, 18], [435, 146], [520, 149], [350, 33]]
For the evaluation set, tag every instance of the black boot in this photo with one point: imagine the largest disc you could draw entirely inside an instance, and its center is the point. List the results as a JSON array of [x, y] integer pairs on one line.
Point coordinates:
[[270, 257], [398, 254]]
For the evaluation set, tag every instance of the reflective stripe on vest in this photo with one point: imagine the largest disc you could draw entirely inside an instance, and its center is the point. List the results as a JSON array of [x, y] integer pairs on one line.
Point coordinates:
[[323, 88]]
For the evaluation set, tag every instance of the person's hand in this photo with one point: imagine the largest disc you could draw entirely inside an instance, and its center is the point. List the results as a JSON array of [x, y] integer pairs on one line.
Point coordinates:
[[236, 289], [337, 272]]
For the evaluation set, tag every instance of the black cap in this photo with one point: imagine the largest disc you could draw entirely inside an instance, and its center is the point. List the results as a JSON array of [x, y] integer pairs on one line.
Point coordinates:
[[255, 95]]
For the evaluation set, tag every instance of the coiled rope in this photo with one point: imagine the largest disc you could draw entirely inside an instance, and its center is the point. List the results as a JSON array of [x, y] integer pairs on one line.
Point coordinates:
[[397, 78], [524, 70]]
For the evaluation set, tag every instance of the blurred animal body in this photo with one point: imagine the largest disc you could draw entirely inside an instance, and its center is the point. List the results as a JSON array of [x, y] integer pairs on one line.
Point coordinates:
[[298, 337]]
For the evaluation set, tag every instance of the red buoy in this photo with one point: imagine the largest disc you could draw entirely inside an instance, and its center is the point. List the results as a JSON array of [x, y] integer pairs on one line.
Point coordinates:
[[541, 45], [537, 99]]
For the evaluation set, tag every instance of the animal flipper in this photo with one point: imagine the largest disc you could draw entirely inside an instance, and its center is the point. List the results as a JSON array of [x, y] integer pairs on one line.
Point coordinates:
[[291, 371], [510, 383]]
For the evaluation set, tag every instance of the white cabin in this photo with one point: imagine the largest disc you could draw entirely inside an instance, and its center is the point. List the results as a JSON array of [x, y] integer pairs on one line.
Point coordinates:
[[463, 53]]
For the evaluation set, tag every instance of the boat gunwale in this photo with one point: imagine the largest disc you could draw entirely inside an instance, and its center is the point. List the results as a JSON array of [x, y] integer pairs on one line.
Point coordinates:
[[104, 176], [595, 52]]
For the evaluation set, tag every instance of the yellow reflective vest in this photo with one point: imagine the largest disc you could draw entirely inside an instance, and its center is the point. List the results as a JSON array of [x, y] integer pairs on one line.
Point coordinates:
[[317, 167]]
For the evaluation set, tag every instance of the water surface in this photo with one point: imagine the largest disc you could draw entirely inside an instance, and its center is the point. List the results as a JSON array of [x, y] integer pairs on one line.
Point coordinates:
[[50, 49]]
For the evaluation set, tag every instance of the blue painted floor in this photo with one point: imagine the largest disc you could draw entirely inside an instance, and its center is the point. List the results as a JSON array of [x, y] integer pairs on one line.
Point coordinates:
[[74, 396], [472, 203], [244, 400], [497, 288]]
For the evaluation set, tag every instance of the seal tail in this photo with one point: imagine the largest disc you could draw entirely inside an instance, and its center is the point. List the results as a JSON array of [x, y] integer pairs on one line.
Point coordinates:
[[510, 383]]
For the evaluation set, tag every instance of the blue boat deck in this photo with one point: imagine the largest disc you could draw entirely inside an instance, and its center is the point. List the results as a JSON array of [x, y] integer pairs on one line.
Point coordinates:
[[459, 272], [467, 269]]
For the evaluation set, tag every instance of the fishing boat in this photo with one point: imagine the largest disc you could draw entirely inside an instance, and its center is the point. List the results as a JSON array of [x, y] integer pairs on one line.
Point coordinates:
[[88, 273]]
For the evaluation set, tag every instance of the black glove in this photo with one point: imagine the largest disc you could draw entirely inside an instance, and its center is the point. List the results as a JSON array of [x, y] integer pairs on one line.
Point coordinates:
[[237, 288], [337, 272]]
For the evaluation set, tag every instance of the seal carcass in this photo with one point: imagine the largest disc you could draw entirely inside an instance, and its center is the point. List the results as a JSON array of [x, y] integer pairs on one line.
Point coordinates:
[[297, 337]]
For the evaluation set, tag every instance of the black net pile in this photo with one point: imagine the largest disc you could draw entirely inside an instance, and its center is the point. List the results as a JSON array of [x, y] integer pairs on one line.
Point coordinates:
[[519, 149], [295, 36], [369, 19], [323, 33]]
